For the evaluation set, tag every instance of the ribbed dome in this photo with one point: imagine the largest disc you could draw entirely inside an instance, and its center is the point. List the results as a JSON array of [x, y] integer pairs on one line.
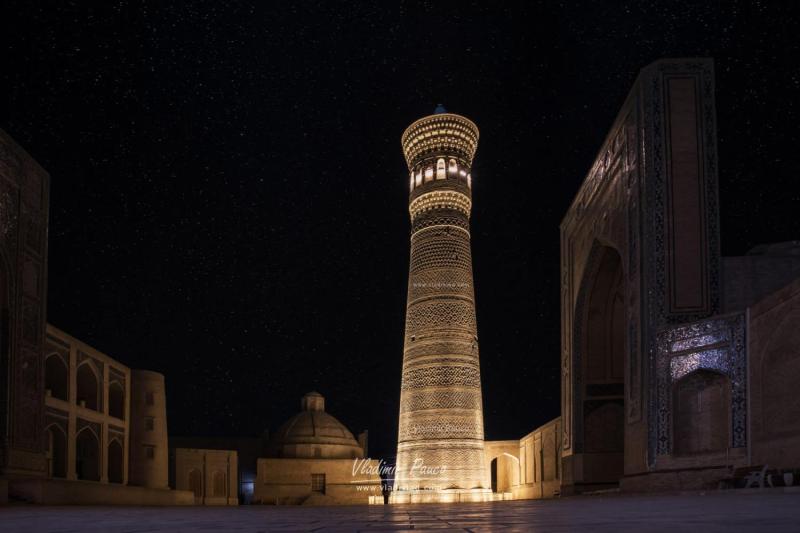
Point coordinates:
[[313, 433]]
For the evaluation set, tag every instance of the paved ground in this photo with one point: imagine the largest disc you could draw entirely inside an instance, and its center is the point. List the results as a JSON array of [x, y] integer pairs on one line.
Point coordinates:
[[709, 513]]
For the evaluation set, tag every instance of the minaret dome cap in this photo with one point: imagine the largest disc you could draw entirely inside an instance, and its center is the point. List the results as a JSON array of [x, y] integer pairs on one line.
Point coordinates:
[[441, 134]]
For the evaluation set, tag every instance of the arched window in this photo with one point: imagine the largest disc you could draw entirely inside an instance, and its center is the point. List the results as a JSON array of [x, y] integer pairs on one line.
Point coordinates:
[[440, 171], [87, 455], [218, 484], [411, 181], [56, 451], [452, 167], [493, 470], [116, 400], [469, 180], [56, 377], [88, 388], [196, 483], [428, 174], [419, 178], [115, 462]]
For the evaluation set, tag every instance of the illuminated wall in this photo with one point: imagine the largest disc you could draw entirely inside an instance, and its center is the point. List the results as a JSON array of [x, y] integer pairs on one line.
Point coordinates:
[[440, 441]]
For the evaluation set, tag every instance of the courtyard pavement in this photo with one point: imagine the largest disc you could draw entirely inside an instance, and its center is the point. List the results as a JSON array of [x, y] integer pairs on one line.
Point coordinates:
[[711, 512]]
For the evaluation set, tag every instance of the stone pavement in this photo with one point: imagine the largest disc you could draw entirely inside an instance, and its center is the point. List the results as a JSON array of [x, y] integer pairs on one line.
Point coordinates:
[[712, 512]]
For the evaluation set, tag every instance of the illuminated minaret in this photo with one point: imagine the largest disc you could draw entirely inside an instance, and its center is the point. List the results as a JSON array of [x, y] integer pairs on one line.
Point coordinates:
[[440, 440]]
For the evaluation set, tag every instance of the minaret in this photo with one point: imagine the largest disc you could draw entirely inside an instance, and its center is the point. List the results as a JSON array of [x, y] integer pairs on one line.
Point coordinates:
[[440, 441]]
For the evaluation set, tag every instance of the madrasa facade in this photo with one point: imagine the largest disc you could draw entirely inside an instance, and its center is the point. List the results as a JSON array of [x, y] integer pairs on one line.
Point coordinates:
[[678, 365]]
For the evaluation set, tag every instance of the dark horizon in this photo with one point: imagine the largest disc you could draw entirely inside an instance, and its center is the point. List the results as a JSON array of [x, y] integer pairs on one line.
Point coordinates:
[[228, 193]]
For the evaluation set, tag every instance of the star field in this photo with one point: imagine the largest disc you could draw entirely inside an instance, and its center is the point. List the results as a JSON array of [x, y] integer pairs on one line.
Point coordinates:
[[228, 193]]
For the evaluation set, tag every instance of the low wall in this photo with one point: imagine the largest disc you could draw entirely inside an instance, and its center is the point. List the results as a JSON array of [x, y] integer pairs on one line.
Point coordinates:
[[65, 492], [540, 464], [675, 480]]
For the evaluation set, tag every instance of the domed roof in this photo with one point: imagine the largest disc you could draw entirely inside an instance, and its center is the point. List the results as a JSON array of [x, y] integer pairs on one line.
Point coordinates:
[[313, 433]]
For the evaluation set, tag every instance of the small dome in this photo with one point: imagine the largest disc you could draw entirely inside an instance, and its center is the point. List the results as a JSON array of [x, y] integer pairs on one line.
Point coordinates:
[[313, 434]]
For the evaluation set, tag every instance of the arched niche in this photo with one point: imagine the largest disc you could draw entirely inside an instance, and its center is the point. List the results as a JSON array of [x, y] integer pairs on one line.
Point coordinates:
[[87, 455], [88, 386], [57, 377], [116, 471], [599, 359], [701, 413], [218, 484], [56, 451], [196, 483], [778, 372], [504, 472], [116, 400]]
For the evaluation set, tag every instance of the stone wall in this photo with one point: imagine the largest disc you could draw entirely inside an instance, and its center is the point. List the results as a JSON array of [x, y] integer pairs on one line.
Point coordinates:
[[289, 481], [747, 279], [211, 475], [248, 450], [540, 463], [65, 492], [774, 364]]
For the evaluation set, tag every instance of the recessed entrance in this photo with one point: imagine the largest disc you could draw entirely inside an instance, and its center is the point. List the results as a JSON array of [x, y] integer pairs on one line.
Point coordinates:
[[601, 345]]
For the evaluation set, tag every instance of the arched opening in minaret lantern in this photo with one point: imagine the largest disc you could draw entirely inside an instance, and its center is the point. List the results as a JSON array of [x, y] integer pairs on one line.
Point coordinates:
[[440, 169]]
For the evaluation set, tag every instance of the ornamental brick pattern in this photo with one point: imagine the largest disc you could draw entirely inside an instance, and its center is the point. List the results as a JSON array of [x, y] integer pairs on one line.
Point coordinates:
[[440, 442]]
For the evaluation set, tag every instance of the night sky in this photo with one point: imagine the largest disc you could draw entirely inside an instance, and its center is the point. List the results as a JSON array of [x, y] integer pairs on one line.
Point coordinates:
[[229, 196]]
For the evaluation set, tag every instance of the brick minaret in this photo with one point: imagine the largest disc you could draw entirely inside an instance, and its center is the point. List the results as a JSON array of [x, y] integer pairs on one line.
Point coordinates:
[[440, 442]]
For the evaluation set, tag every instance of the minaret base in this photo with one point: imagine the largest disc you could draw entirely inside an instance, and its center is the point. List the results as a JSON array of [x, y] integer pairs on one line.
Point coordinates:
[[444, 496]]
